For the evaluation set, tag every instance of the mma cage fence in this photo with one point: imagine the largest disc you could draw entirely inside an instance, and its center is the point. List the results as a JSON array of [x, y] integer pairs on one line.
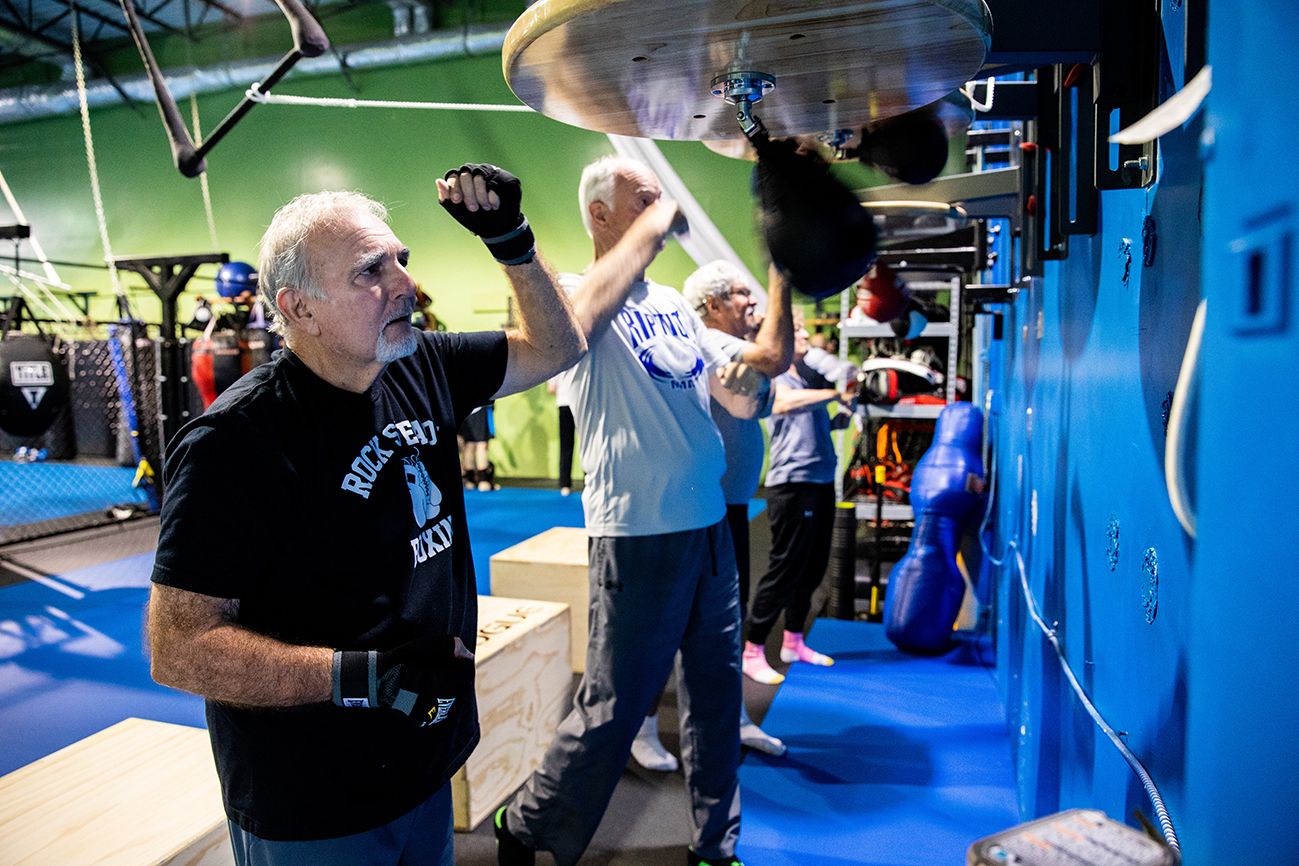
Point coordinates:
[[70, 399]]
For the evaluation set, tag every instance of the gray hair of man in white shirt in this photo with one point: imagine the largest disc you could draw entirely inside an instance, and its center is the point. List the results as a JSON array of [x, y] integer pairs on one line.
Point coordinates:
[[713, 280], [597, 183]]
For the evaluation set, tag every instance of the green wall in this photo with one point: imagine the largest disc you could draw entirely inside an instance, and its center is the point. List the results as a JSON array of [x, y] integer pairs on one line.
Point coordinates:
[[279, 151]]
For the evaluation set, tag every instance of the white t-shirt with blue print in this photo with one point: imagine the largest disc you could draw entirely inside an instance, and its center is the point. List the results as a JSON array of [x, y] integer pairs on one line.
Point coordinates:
[[651, 453]]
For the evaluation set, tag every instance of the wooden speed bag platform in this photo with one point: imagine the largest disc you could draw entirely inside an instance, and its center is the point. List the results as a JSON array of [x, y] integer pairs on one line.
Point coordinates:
[[647, 69], [139, 792]]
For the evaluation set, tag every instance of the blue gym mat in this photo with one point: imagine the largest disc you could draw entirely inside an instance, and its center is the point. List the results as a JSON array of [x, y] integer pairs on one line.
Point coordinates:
[[893, 760]]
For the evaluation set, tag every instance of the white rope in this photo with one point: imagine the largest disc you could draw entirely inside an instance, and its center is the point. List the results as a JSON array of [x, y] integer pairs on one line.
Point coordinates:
[[50, 273], [28, 275], [1178, 421], [90, 157], [202, 178], [50, 305], [33, 300], [57, 308], [256, 95], [968, 90]]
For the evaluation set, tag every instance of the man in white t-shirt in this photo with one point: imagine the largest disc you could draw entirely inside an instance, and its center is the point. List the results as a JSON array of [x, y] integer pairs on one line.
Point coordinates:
[[725, 303], [662, 566]]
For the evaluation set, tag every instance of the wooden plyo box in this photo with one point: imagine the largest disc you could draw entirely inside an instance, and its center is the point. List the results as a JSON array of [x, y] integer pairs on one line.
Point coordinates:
[[551, 566], [139, 792], [523, 685]]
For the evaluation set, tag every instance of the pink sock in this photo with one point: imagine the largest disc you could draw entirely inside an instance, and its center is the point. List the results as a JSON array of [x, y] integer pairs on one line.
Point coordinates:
[[755, 667], [792, 649]]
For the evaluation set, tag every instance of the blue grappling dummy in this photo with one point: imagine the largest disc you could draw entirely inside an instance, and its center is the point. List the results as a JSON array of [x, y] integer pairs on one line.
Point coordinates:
[[925, 587]]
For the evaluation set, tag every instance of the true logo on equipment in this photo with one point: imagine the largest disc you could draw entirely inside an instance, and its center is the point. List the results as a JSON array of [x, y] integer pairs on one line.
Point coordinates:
[[33, 378]]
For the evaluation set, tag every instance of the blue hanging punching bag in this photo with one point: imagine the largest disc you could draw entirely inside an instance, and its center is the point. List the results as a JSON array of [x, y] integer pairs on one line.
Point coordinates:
[[925, 587]]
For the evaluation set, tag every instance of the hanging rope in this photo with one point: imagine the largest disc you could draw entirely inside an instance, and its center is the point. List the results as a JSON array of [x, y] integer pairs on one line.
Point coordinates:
[[50, 274], [197, 134], [90, 156], [202, 178], [333, 102]]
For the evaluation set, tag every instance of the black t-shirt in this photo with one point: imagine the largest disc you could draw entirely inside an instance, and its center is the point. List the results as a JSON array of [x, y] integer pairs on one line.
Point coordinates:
[[336, 519]]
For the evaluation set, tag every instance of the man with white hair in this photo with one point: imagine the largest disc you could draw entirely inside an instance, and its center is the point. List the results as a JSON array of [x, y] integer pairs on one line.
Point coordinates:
[[725, 303], [333, 655], [662, 567]]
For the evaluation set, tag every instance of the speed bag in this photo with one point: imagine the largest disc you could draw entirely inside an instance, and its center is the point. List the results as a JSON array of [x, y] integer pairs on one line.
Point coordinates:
[[34, 385]]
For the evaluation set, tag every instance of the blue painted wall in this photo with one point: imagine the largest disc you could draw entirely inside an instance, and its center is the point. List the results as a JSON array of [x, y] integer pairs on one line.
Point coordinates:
[[1181, 643]]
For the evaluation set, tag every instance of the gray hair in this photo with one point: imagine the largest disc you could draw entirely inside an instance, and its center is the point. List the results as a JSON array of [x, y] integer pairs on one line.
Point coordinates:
[[283, 258], [597, 184], [713, 280]]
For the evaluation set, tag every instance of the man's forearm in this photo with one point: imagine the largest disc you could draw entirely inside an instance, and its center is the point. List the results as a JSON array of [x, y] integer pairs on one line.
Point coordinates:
[[194, 649], [773, 345], [548, 338], [793, 399], [608, 282]]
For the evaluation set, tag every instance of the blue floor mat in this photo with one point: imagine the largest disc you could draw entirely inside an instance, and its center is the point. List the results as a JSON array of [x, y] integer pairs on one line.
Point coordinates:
[[503, 518], [893, 760]]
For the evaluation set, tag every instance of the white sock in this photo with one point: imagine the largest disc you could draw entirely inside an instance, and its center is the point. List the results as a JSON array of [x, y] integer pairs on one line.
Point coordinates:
[[756, 738], [649, 751]]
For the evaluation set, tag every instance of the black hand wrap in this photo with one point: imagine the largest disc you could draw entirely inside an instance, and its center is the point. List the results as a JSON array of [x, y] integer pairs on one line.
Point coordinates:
[[505, 230], [422, 679]]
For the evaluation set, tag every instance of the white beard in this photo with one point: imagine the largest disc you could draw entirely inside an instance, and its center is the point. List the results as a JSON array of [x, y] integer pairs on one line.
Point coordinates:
[[386, 350]]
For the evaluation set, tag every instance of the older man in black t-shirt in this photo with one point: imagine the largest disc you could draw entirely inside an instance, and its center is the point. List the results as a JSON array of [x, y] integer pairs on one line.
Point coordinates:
[[333, 652]]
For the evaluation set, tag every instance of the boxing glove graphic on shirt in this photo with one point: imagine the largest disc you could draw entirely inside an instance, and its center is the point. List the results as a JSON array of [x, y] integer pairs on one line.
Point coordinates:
[[425, 498]]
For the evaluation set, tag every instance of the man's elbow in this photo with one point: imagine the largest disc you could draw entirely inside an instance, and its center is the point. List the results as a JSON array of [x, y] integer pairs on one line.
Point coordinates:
[[162, 668]]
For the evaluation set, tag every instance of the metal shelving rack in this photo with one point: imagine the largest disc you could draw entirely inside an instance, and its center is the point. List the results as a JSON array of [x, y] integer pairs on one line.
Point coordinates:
[[949, 330]]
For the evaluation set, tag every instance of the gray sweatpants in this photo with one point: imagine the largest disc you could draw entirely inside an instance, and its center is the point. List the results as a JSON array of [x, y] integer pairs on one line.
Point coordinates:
[[653, 598]]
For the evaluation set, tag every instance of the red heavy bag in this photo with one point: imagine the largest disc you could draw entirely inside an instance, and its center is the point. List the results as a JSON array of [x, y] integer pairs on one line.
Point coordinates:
[[216, 361]]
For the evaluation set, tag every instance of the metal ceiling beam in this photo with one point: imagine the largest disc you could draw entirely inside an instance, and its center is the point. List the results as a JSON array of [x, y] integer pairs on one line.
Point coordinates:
[[224, 9], [117, 25], [65, 48], [157, 22]]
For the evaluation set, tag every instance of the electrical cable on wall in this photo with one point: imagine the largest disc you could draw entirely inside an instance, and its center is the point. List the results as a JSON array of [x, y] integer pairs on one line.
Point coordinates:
[[1013, 549]]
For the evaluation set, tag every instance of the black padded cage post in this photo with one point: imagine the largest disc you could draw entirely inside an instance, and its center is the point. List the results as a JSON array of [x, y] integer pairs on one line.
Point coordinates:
[[309, 40]]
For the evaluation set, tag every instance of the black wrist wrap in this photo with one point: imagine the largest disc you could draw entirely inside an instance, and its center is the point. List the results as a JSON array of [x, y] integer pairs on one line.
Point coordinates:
[[355, 680], [515, 247]]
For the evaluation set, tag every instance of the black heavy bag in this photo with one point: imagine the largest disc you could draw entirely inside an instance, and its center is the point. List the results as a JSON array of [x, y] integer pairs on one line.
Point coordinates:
[[911, 147], [817, 232], [34, 385]]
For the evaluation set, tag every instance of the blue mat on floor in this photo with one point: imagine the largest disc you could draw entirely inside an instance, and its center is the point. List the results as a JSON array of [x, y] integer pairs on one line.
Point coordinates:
[[45, 491], [503, 518], [893, 760], [72, 663]]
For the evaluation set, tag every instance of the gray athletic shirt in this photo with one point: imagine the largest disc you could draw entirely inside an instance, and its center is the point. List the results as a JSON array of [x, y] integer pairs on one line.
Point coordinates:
[[651, 453], [801, 447], [742, 437]]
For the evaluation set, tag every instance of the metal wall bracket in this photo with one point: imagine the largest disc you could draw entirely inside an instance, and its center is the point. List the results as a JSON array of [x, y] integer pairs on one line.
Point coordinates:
[[1126, 82]]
